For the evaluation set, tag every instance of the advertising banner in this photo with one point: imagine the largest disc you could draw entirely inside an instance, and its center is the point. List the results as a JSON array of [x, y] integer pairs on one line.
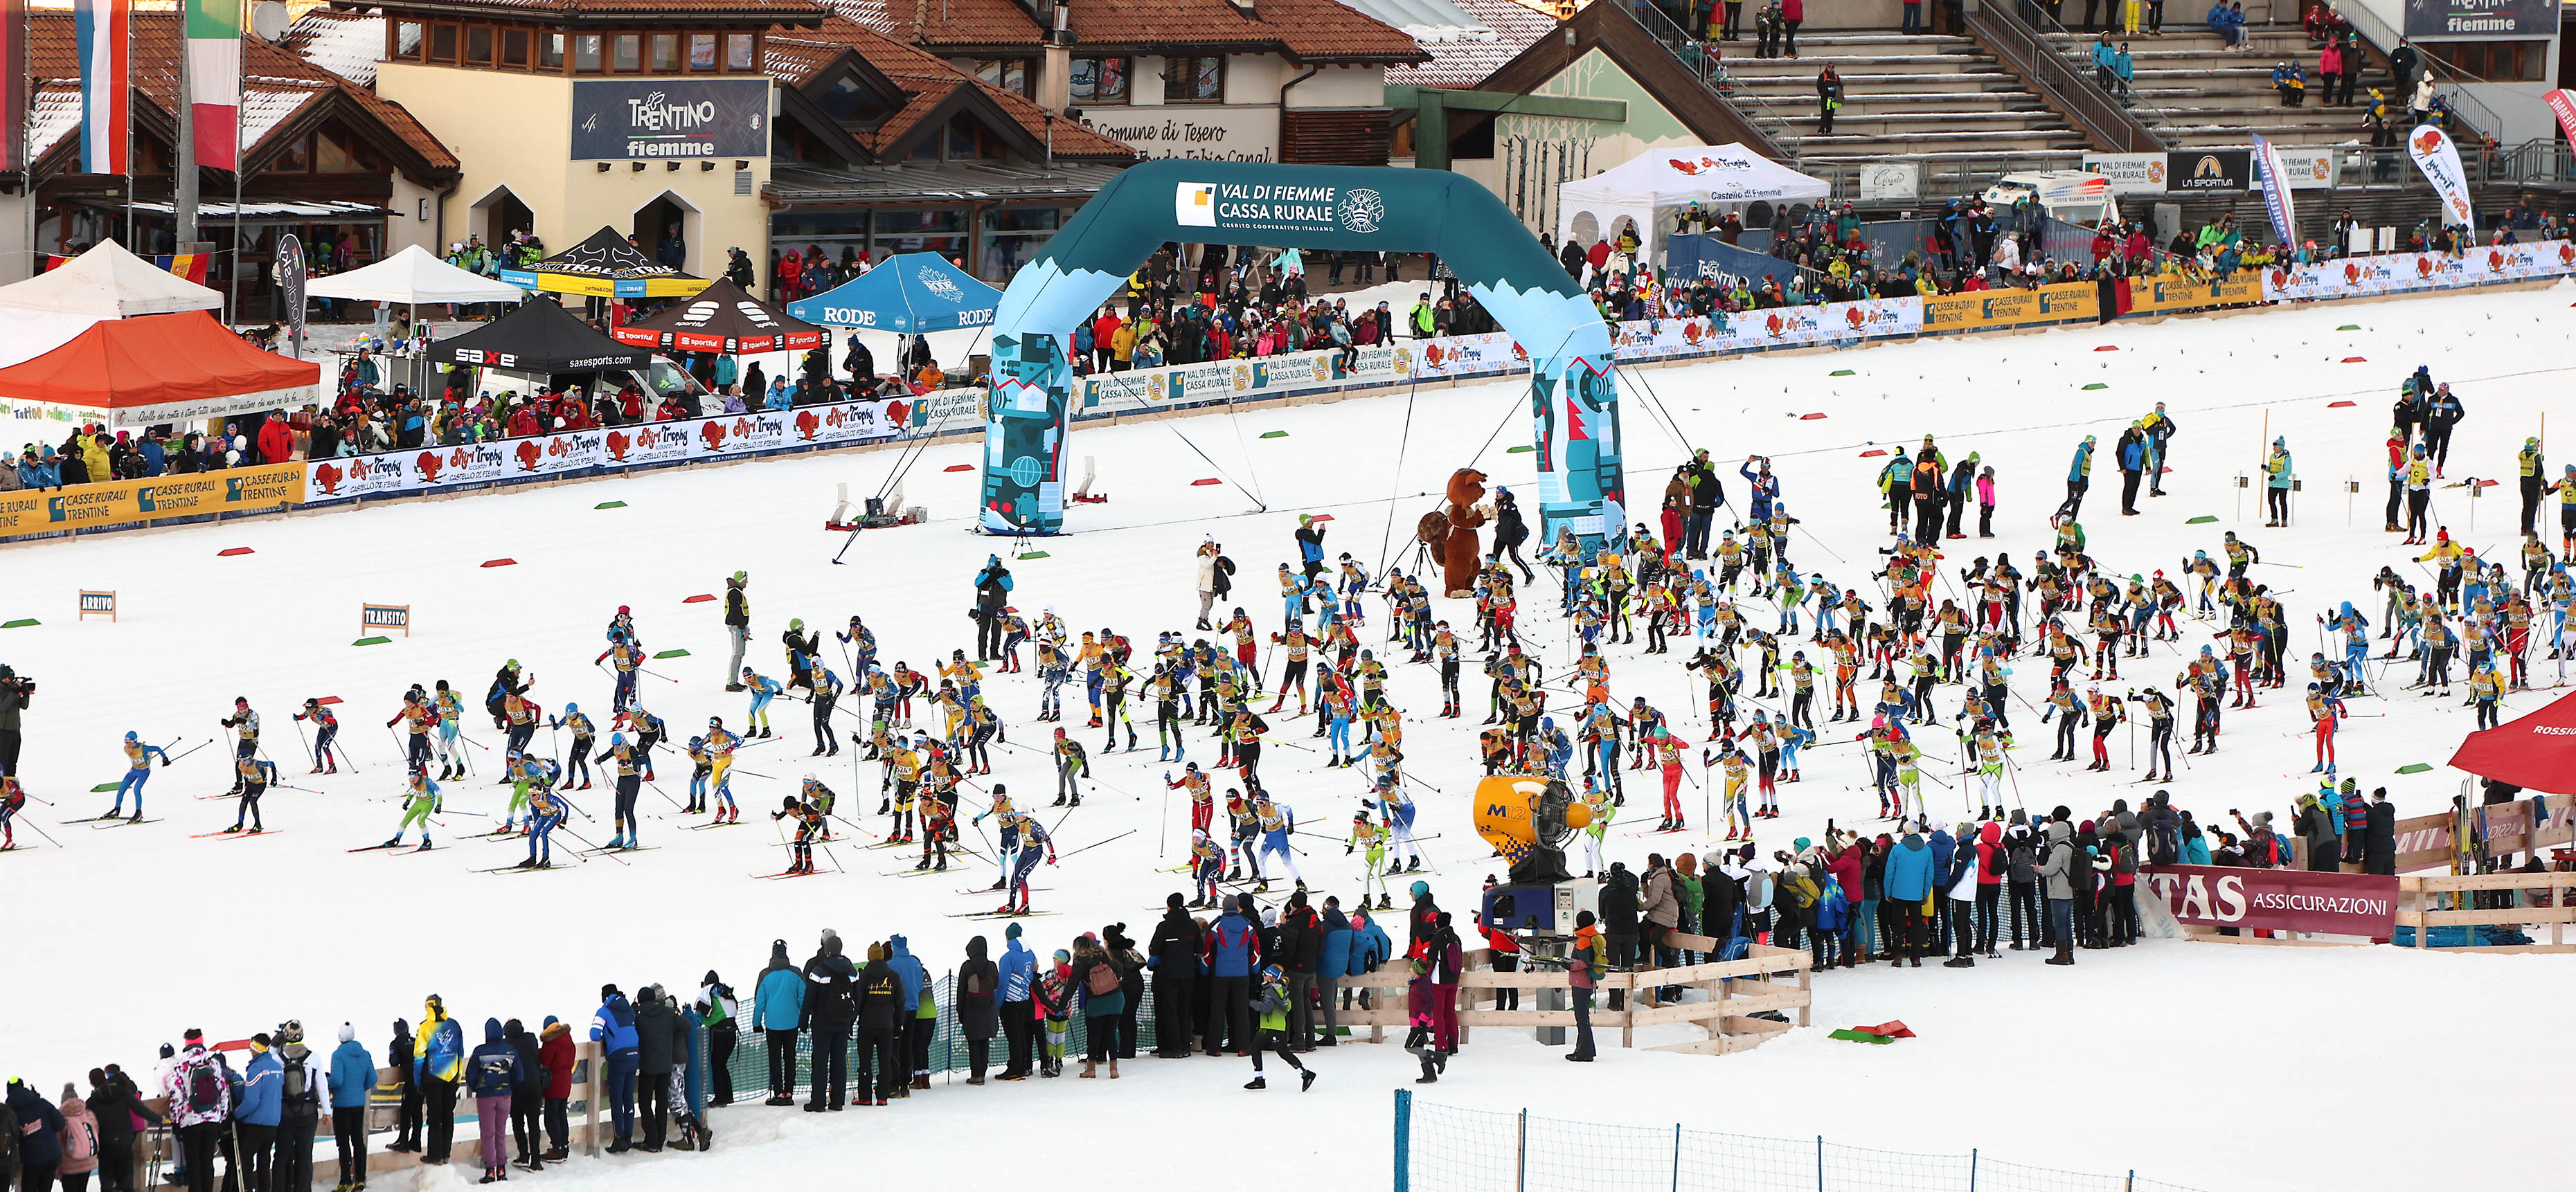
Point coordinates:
[[2396, 273], [2275, 899], [1986, 309], [726, 436], [2276, 191], [2480, 20], [2165, 292], [672, 118], [125, 502], [2209, 171], [2130, 173], [1468, 355], [2439, 160]]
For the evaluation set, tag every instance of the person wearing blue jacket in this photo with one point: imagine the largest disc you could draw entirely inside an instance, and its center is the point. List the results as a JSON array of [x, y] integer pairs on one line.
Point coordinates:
[[1019, 970], [2133, 463], [2079, 476], [694, 1134], [1945, 847], [992, 592], [1370, 948], [913, 1034], [351, 1079], [491, 1075], [38, 1125], [613, 1028], [1906, 882], [255, 1121], [1332, 963], [1233, 954], [777, 1005]]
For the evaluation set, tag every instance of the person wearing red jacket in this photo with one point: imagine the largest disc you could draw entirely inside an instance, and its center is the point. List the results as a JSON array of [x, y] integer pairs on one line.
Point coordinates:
[[1848, 864], [556, 1053], [1507, 959], [276, 443]]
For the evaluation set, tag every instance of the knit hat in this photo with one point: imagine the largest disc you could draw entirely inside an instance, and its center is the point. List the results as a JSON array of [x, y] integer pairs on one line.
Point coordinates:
[[1011, 932], [348, 1032]]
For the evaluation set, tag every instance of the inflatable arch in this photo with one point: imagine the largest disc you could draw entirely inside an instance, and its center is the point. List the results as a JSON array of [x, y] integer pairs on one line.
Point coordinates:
[[1573, 403]]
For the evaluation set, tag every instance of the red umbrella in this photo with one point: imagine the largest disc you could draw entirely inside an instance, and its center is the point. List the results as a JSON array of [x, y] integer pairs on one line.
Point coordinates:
[[2535, 752]]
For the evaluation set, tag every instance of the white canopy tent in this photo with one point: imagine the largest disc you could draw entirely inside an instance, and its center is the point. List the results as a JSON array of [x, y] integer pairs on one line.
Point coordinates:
[[108, 282], [51, 309], [413, 276], [1674, 176]]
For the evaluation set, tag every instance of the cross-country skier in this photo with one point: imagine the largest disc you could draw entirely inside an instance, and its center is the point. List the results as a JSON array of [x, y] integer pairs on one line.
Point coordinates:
[[545, 814], [254, 777], [418, 720], [762, 689], [1207, 868], [138, 770], [809, 821], [823, 691], [583, 733], [1034, 844], [326, 729], [451, 722], [1277, 821], [629, 784], [245, 726], [420, 798]]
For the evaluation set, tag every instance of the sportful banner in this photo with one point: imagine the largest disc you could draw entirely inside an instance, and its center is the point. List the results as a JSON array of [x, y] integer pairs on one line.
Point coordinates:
[[2439, 159], [214, 80], [2397, 273], [669, 118], [2276, 899], [103, 31], [2276, 191], [727, 436]]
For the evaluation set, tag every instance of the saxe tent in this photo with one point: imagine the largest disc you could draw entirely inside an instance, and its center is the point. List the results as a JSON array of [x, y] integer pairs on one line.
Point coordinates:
[[1659, 180], [538, 339]]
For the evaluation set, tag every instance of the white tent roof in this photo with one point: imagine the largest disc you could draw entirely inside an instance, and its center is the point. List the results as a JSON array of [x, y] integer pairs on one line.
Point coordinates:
[[27, 334], [413, 275], [108, 282], [1676, 175]]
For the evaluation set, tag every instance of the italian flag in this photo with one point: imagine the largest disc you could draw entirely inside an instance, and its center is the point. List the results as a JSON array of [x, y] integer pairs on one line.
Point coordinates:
[[214, 81]]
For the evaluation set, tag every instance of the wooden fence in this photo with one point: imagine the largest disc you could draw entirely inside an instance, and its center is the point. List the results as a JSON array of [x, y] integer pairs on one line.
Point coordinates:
[[2446, 900], [1766, 979]]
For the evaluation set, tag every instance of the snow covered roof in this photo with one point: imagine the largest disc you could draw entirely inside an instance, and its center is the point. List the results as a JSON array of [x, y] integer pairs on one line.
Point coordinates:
[[340, 41], [1468, 40]]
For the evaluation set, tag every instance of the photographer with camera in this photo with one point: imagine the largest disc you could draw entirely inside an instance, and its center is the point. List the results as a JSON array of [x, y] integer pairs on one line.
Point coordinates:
[[15, 689]]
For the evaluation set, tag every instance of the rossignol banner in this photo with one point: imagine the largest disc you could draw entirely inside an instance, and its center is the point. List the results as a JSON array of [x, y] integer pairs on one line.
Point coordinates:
[[2439, 159], [2562, 103], [2275, 899], [743, 435], [670, 118], [2398, 273]]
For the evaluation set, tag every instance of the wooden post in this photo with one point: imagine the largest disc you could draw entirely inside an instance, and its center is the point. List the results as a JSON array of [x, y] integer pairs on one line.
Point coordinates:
[[1805, 971], [1628, 1022], [598, 1082]]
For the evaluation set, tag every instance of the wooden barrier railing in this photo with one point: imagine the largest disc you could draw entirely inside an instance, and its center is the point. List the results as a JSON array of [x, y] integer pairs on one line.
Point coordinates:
[[1736, 989], [2540, 898]]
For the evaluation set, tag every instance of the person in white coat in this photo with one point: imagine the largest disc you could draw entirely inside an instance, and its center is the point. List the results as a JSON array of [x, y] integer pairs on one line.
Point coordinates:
[[1215, 573]]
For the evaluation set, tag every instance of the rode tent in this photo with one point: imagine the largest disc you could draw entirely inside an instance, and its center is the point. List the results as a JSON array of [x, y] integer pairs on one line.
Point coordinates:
[[541, 339], [724, 320], [155, 369], [605, 266], [2535, 752]]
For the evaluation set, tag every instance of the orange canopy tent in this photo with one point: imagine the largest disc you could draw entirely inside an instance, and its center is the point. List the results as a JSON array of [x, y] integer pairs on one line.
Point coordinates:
[[156, 369]]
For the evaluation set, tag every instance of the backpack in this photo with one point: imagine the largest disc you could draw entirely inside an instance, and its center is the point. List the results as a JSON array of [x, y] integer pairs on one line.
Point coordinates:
[[2164, 846], [1995, 860], [80, 1139], [296, 1084], [1102, 980], [205, 1088]]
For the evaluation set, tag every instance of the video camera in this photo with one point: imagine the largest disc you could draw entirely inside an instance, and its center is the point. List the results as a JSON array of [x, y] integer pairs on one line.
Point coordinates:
[[13, 683]]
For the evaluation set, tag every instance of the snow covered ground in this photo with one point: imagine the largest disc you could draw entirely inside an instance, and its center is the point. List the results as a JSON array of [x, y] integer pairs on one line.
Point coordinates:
[[2214, 1067]]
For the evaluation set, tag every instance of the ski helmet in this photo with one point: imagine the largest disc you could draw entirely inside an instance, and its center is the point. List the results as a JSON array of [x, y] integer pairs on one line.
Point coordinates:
[[715, 722], [130, 736], [697, 742], [787, 804], [616, 738], [570, 709]]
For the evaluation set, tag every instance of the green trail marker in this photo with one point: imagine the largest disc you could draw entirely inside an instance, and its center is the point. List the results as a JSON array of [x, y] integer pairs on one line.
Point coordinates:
[[2203, 519], [1274, 434], [1517, 450], [610, 505], [371, 641], [671, 654], [21, 623], [1840, 372], [2413, 768], [2099, 385]]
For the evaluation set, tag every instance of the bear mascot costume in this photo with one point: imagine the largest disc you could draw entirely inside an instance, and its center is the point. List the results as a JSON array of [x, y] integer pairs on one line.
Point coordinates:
[[1450, 532]]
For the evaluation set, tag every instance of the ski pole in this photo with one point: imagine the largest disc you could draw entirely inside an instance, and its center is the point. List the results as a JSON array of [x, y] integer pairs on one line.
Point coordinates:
[[1091, 846], [191, 749], [610, 854]]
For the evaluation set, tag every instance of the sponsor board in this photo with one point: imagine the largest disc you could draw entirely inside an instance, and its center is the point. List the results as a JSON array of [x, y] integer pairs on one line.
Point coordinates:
[[126, 502], [2397, 273], [1986, 309]]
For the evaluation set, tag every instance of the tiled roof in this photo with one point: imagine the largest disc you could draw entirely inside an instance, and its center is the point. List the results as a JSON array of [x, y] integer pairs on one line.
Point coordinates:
[[927, 81], [793, 12], [1308, 30], [277, 84], [1462, 56]]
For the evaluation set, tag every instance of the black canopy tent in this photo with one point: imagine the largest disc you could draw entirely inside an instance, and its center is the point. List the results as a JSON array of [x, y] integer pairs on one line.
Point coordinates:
[[722, 319], [543, 341]]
